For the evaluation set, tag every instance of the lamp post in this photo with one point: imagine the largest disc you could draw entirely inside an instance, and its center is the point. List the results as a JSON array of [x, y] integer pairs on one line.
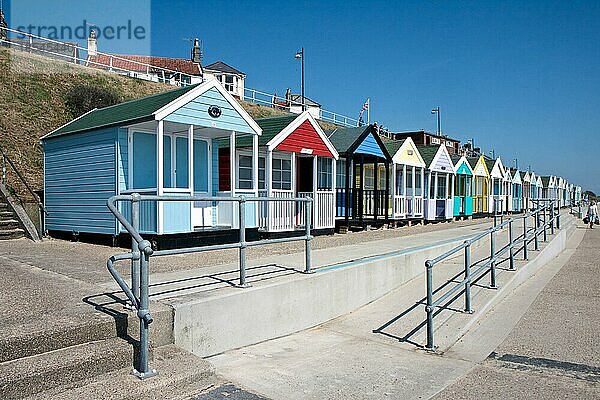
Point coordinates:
[[493, 154], [300, 56], [437, 111], [516, 163]]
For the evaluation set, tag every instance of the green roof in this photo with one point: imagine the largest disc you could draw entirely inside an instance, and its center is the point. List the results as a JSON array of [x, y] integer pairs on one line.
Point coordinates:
[[523, 173], [455, 158], [393, 146], [428, 153], [489, 163], [473, 161], [130, 111], [343, 138], [545, 181]]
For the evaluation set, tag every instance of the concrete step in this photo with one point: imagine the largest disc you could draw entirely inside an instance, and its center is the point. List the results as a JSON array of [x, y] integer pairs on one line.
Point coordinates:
[[9, 223], [11, 233], [31, 375], [57, 333], [6, 214], [181, 375], [4, 207]]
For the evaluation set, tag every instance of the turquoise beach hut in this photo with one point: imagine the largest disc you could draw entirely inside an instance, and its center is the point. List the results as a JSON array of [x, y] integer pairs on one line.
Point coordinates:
[[463, 187]]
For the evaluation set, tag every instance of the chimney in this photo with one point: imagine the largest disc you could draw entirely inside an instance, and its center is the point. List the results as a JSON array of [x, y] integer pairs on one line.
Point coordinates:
[[196, 52], [92, 44]]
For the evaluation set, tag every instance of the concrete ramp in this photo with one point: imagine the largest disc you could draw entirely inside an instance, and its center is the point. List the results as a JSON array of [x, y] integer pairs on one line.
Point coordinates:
[[211, 316]]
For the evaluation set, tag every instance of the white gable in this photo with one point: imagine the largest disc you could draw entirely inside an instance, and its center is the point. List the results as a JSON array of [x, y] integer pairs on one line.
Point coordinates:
[[498, 169], [442, 161]]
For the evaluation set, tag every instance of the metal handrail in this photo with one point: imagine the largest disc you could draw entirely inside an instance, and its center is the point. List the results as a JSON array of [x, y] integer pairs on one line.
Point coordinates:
[[141, 251], [42, 210], [489, 264]]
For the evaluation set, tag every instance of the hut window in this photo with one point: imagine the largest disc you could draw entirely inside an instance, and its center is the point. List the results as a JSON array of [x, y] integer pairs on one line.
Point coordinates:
[[200, 166], [399, 181], [409, 182], [441, 186], [340, 174], [369, 179], [167, 168], [282, 174], [261, 173], [144, 160], [245, 172], [468, 185], [324, 173], [432, 185], [418, 188], [182, 161], [381, 176]]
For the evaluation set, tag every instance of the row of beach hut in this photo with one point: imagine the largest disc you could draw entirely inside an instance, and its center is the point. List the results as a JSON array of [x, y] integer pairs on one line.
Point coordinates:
[[198, 140]]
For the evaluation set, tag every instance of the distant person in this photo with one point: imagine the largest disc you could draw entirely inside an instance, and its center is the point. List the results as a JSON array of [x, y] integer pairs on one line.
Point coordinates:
[[592, 213]]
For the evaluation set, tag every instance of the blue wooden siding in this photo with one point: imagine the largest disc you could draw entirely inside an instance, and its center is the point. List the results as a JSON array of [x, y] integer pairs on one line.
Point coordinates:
[[177, 216], [123, 160], [80, 175], [196, 112], [369, 146]]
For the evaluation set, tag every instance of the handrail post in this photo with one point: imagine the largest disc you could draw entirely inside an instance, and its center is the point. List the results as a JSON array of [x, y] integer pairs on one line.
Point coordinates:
[[537, 228], [545, 223], [558, 219], [511, 252], [308, 240], [143, 313], [429, 307], [492, 260], [468, 308], [525, 238], [552, 218], [242, 238], [135, 261]]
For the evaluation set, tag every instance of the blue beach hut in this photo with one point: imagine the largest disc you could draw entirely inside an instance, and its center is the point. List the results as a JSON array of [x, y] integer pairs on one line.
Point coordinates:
[[165, 144], [362, 176]]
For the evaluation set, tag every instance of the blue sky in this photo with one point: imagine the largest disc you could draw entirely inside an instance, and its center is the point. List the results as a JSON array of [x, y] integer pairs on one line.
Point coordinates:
[[521, 78]]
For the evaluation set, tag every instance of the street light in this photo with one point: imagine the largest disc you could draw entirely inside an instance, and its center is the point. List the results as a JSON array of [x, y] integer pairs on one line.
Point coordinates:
[[437, 111], [516, 163], [300, 56]]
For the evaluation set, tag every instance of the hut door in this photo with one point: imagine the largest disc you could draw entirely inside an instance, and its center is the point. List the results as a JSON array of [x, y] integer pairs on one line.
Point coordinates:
[[304, 185], [201, 211], [305, 175]]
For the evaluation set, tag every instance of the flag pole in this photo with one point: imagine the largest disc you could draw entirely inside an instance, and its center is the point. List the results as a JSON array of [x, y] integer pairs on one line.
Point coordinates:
[[369, 111]]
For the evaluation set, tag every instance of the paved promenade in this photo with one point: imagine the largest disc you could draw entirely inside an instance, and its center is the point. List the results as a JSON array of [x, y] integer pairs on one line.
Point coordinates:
[[553, 352], [538, 341]]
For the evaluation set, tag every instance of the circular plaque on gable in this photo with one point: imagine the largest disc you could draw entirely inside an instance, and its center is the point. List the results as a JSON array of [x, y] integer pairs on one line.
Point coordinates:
[[214, 111]]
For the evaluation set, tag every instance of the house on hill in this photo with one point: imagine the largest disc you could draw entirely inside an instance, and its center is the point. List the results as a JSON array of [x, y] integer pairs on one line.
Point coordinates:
[[174, 71], [232, 79]]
